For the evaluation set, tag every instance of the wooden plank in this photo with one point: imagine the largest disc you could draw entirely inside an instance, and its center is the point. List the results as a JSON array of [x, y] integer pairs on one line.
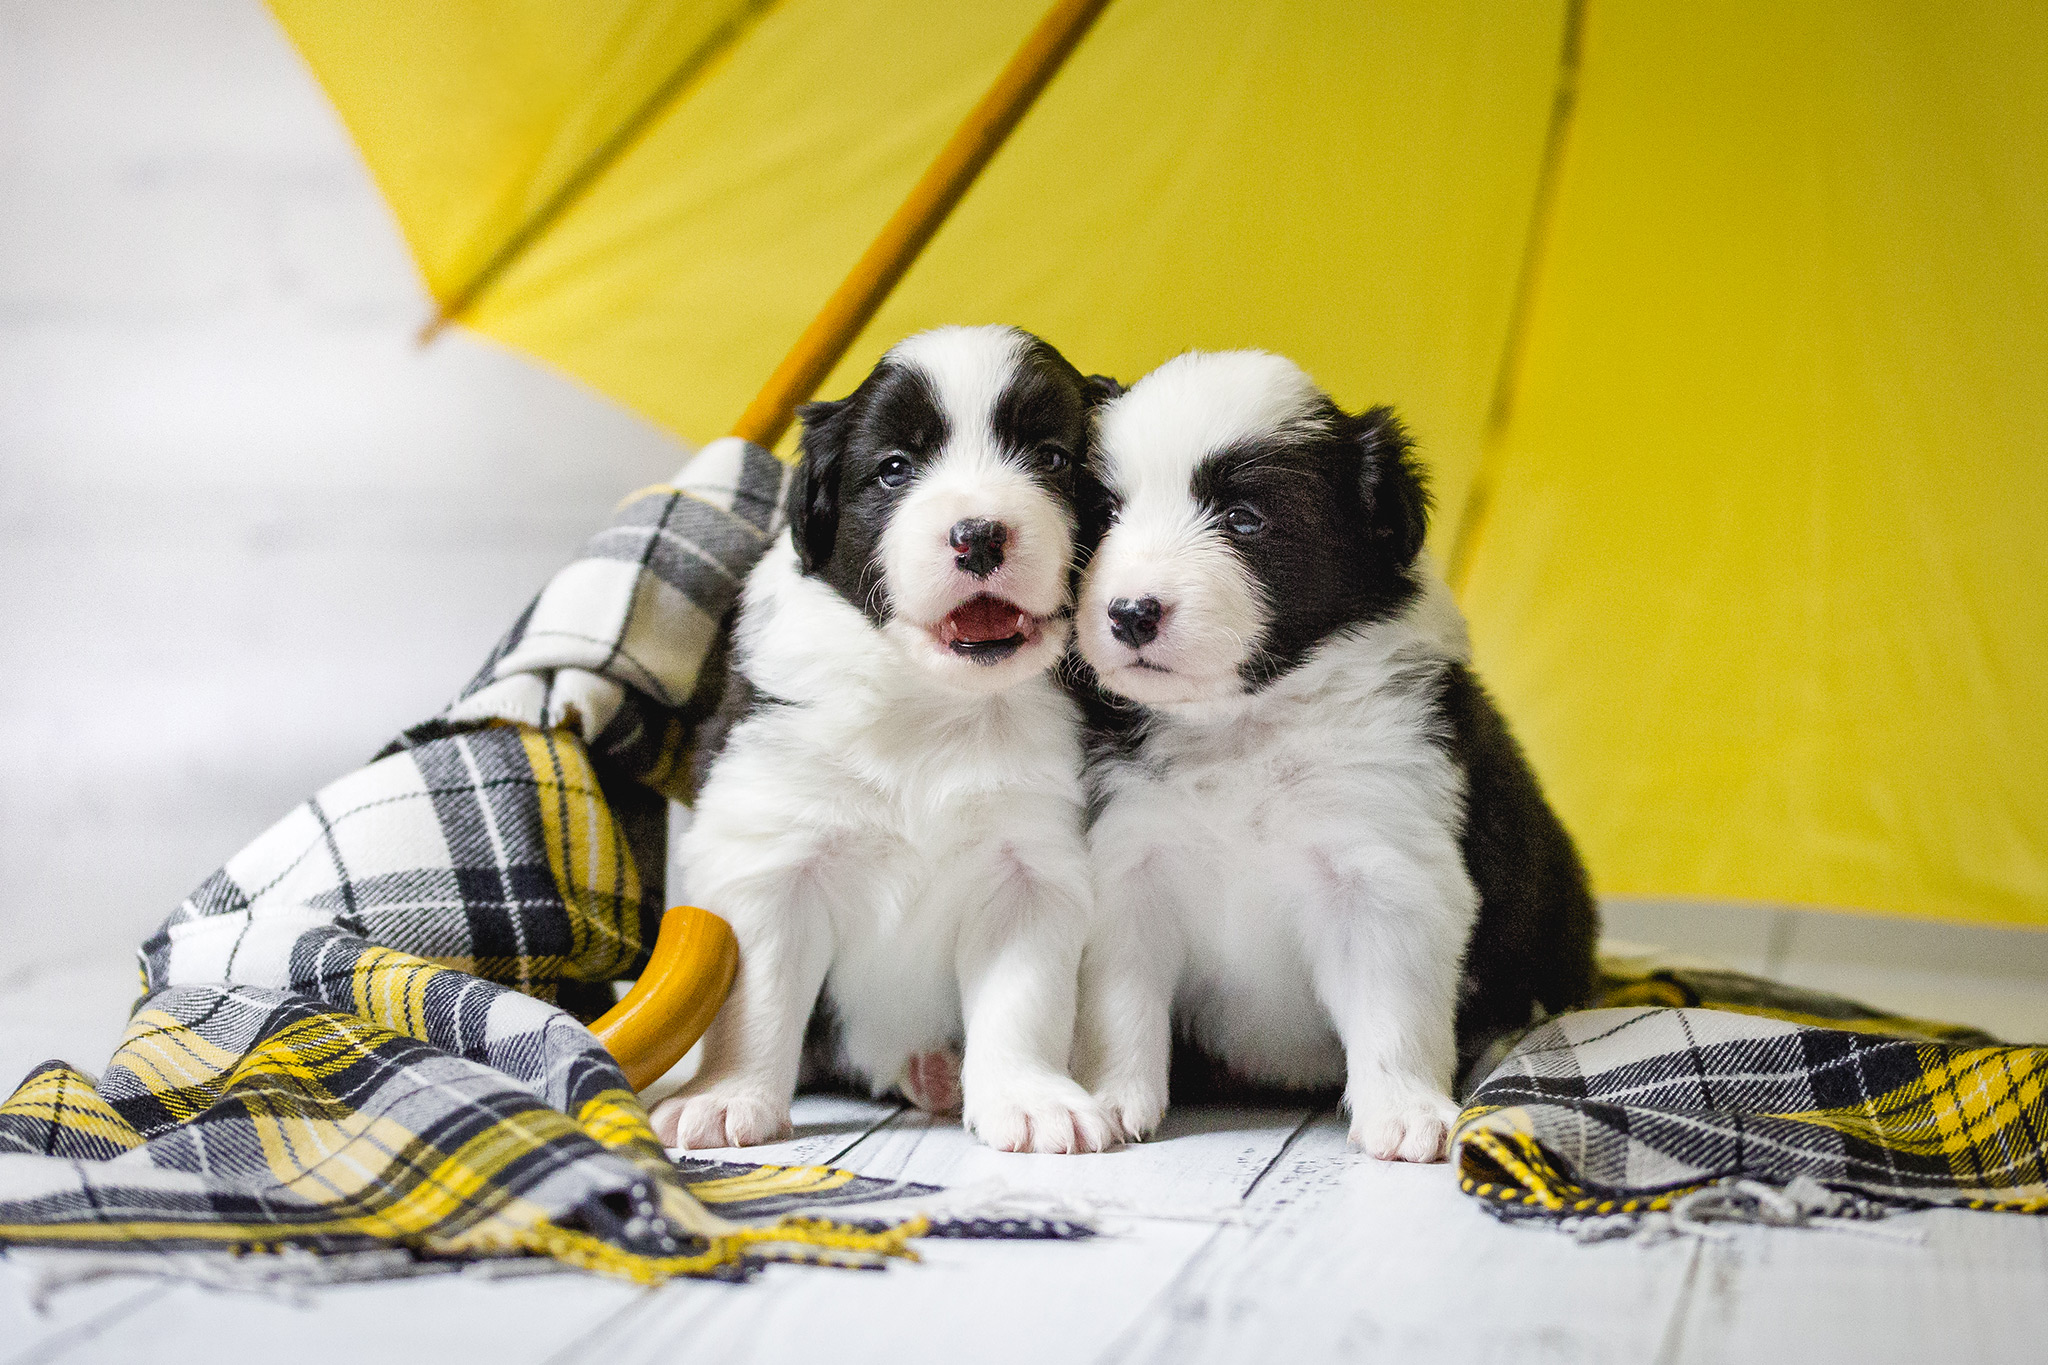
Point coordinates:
[[990, 1302], [1202, 1163], [448, 1317], [70, 1320], [1348, 1258], [1975, 1289]]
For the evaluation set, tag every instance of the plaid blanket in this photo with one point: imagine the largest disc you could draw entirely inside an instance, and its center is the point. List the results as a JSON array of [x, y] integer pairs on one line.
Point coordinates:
[[364, 1031], [1716, 1093]]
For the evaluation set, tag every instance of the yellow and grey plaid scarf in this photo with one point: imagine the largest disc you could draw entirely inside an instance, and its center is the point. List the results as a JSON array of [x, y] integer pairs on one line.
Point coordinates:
[[363, 1031], [1693, 1082]]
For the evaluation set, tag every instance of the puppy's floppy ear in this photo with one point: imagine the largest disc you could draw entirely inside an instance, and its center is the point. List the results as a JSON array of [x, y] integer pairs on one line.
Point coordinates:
[[1092, 500], [1101, 388], [1093, 506], [813, 507], [1395, 491]]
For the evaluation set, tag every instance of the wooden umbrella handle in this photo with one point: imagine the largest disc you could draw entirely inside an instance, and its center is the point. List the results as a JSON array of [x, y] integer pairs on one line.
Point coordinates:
[[675, 999]]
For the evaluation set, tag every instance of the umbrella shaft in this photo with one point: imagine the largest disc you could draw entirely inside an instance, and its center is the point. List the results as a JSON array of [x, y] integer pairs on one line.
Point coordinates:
[[973, 143]]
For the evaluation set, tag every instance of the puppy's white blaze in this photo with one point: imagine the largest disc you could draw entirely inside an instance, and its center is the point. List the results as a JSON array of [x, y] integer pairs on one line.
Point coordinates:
[[1195, 405], [968, 368]]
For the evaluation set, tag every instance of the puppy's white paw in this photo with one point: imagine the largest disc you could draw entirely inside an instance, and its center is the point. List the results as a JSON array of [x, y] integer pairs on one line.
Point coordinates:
[[1132, 1108], [931, 1081], [721, 1116], [1407, 1125], [1046, 1113]]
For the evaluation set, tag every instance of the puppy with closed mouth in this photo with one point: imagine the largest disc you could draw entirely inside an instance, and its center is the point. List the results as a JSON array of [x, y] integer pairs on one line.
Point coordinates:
[[893, 821], [1315, 844]]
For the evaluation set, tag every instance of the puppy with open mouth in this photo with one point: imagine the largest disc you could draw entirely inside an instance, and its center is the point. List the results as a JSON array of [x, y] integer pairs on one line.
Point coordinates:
[[893, 822], [1315, 843]]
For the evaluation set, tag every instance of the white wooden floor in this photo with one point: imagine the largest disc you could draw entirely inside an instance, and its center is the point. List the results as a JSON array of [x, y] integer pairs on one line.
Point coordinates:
[[1237, 1236]]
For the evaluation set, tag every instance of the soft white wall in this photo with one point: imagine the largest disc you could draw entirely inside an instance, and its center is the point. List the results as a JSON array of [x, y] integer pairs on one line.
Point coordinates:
[[247, 528]]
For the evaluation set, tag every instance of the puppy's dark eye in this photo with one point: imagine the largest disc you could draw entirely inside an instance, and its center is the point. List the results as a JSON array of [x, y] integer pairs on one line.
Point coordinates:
[[1243, 521], [1054, 457], [894, 473]]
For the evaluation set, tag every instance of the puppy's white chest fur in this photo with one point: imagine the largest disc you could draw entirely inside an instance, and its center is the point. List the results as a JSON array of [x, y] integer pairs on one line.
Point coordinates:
[[1268, 837], [890, 809]]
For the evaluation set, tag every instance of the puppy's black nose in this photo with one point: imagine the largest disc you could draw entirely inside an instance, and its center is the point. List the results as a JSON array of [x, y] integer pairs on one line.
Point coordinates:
[[979, 543], [1135, 621]]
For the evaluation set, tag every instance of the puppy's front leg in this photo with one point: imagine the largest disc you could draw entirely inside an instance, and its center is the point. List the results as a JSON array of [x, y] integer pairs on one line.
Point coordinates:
[[1385, 950], [742, 1091], [1017, 960], [1123, 1033]]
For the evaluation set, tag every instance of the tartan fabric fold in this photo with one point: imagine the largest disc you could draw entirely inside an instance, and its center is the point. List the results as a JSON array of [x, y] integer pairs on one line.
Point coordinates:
[[364, 1030], [1691, 1079]]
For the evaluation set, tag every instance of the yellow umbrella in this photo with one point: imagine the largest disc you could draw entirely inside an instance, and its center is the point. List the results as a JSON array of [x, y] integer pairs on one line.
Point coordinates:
[[1724, 328]]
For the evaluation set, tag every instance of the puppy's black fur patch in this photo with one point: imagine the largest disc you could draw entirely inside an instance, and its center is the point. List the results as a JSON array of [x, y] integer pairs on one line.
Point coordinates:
[[1341, 507], [724, 697], [1537, 930], [1112, 727], [838, 508]]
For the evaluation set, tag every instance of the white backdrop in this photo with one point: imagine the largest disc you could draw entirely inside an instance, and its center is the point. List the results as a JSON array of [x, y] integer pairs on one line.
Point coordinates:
[[247, 527]]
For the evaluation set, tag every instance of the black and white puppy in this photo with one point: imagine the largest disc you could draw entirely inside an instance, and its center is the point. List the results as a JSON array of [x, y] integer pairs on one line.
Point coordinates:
[[1315, 841], [894, 825]]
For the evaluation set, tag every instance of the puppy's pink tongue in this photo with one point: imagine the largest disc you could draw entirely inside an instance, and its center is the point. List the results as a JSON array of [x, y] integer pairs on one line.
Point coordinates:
[[981, 620]]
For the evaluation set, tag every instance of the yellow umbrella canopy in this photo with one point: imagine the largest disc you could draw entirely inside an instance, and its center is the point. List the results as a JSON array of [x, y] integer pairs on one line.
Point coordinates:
[[1724, 330]]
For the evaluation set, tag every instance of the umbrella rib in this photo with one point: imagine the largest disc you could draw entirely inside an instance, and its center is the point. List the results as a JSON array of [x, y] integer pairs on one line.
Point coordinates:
[[1564, 101], [699, 59]]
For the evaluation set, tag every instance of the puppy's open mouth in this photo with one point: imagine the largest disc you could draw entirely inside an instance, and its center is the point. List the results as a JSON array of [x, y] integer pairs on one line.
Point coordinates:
[[986, 629]]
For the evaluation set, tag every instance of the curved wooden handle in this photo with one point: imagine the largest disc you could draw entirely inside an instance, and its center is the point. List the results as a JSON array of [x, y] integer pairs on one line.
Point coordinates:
[[675, 999]]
